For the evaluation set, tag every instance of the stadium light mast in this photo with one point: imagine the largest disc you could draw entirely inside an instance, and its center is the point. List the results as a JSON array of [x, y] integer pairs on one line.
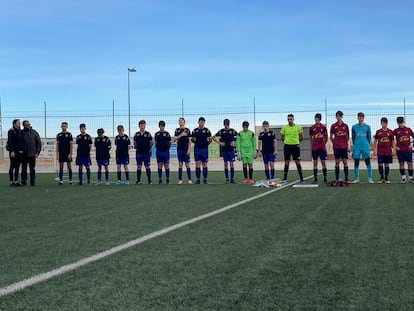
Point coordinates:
[[129, 101]]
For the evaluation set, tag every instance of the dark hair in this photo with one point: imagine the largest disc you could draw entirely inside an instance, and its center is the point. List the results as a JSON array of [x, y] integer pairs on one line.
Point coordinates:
[[181, 118], [384, 119], [100, 131], [161, 123], [400, 119], [82, 125], [361, 114], [64, 122], [265, 123], [15, 121], [290, 115], [141, 122], [245, 123], [339, 113], [226, 122], [119, 127], [25, 121], [201, 119], [318, 116]]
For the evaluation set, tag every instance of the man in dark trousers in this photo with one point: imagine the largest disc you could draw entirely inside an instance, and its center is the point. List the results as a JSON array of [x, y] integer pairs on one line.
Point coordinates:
[[33, 146], [15, 146]]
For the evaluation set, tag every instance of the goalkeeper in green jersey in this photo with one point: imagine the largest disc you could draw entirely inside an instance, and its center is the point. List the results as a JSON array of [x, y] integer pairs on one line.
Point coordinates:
[[246, 151]]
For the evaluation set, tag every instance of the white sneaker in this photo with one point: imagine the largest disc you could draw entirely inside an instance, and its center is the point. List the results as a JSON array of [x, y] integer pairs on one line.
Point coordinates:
[[356, 181], [370, 181], [107, 183]]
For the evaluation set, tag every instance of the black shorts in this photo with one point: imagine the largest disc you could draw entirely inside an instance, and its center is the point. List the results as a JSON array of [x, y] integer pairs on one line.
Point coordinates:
[[291, 151]]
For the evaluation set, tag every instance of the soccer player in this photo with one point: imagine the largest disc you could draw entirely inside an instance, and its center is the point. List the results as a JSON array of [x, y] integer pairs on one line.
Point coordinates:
[[319, 137], [15, 146], [227, 144], [142, 144], [64, 146], [403, 146], [122, 143], [383, 149], [246, 148], [83, 155], [102, 147], [162, 144], [292, 135], [182, 136], [339, 135], [201, 137], [361, 141], [268, 149], [32, 151]]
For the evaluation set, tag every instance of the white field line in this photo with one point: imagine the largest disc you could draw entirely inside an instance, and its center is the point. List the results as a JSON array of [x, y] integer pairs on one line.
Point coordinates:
[[12, 288]]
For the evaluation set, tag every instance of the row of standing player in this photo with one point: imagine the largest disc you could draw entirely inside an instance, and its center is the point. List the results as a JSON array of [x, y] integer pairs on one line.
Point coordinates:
[[201, 137], [245, 144], [385, 143]]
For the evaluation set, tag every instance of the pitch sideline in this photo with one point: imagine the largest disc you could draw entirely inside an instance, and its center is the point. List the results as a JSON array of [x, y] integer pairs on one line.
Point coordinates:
[[12, 288]]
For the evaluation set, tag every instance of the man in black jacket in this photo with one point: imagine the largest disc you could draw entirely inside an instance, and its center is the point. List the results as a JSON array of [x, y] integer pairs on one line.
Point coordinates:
[[33, 146], [15, 146]]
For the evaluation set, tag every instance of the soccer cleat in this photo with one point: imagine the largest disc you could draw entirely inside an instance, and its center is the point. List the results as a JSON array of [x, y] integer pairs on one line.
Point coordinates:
[[245, 181], [315, 181], [387, 181], [402, 180], [79, 183], [118, 182], [70, 182], [107, 183], [138, 182], [301, 182], [180, 182], [190, 182], [98, 183], [88, 182], [284, 181], [60, 183], [127, 183], [167, 181], [198, 182], [232, 181], [411, 181], [356, 181], [205, 181], [370, 181], [251, 181], [382, 181], [227, 181], [160, 182]]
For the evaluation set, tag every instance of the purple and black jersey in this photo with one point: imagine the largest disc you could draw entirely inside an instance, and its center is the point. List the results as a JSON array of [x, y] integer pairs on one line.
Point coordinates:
[[182, 143], [122, 146], [84, 143], [162, 141], [228, 136], [267, 139], [65, 143], [200, 137], [143, 142], [102, 147]]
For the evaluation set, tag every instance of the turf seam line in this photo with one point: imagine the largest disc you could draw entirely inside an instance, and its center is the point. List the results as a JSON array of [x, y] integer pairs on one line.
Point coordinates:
[[12, 288]]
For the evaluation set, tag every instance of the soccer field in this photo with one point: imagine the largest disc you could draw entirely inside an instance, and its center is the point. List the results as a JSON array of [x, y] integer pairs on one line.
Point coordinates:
[[319, 248]]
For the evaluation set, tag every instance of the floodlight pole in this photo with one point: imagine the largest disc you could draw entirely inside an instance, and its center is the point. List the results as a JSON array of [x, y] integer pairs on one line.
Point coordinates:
[[129, 101]]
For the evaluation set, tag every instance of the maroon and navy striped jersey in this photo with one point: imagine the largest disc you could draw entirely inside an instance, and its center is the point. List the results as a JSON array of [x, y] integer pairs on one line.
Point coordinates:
[[340, 133], [403, 138], [384, 139], [319, 136]]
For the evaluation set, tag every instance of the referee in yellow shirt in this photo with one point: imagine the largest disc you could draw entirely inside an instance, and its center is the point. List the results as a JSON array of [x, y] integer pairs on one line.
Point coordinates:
[[292, 135]]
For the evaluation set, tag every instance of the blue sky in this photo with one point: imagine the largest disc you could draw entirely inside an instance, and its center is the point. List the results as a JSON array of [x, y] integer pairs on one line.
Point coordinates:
[[216, 55]]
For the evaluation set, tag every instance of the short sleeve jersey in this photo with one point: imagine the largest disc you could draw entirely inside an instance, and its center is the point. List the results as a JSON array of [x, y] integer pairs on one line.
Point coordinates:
[[319, 135], [84, 143], [182, 143], [102, 147], [122, 146], [143, 142], [403, 137], [267, 139], [384, 139], [227, 136], [340, 134], [65, 140], [291, 134], [162, 141], [200, 137]]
